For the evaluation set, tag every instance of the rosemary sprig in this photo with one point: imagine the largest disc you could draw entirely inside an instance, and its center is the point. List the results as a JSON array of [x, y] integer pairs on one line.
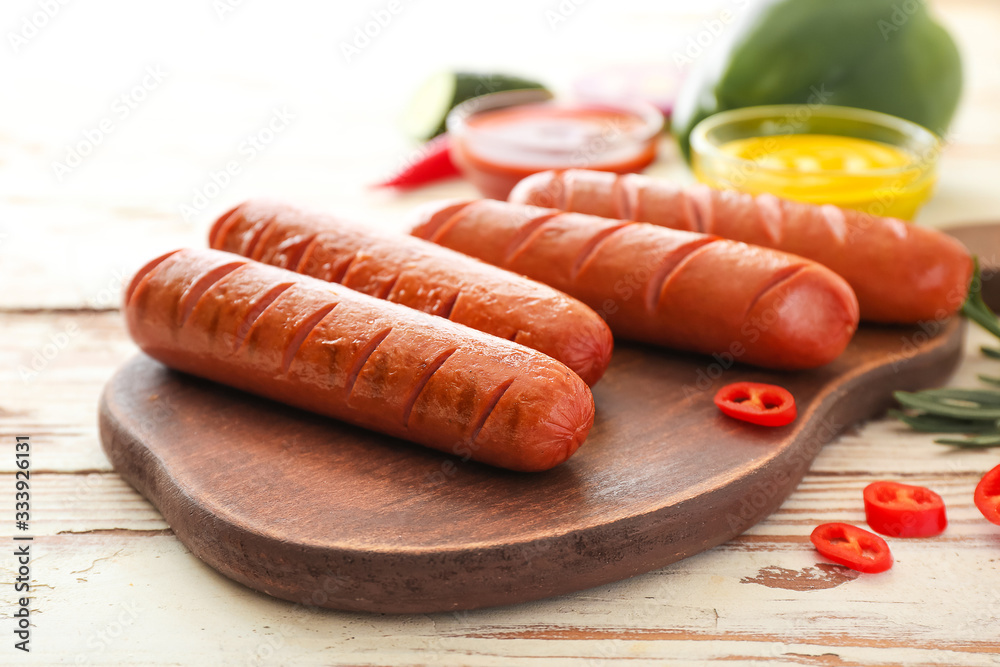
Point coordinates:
[[969, 411], [975, 308], [934, 424], [959, 404], [974, 441]]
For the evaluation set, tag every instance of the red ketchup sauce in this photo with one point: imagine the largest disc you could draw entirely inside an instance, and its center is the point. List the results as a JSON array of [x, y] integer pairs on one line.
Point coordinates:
[[496, 148]]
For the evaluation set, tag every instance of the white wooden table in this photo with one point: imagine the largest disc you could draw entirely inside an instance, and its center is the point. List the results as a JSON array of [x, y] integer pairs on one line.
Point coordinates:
[[170, 95]]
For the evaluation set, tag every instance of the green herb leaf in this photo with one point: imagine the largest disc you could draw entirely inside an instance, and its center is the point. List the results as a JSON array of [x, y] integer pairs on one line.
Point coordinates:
[[975, 441], [975, 308], [935, 424], [987, 397], [993, 352], [956, 403]]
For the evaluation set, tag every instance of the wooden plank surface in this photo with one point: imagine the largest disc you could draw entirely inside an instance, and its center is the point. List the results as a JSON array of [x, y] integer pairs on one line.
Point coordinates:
[[400, 544], [765, 596], [113, 585]]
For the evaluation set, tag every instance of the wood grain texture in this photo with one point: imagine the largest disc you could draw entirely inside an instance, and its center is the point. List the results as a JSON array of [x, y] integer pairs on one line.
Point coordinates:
[[984, 236], [63, 245], [696, 611], [53, 366], [280, 500]]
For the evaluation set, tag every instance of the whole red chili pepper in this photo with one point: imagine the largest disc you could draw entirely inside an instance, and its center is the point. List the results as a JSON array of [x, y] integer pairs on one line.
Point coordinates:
[[433, 165]]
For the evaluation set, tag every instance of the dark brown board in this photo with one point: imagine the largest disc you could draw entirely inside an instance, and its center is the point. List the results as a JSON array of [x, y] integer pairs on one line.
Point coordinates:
[[311, 510], [983, 239]]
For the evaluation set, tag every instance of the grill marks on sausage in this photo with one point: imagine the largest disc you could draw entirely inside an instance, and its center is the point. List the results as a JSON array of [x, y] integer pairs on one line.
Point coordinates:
[[488, 409], [835, 221], [418, 388], [264, 240], [144, 275], [297, 251], [771, 216], [385, 290], [435, 234], [781, 276], [671, 267], [701, 207], [339, 272], [223, 225], [363, 356], [557, 191], [621, 195], [693, 213], [254, 241], [307, 250], [262, 304], [449, 306], [526, 235], [193, 294], [301, 333], [593, 246], [899, 229]]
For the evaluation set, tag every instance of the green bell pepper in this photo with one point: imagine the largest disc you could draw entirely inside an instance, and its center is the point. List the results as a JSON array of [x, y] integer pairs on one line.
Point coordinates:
[[885, 55]]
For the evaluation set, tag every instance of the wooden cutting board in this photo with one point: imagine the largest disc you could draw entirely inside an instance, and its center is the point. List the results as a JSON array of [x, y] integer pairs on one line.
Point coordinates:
[[311, 510], [983, 239]]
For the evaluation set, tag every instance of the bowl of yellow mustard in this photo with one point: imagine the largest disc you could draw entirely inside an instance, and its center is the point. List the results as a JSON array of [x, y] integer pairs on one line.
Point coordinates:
[[852, 158]]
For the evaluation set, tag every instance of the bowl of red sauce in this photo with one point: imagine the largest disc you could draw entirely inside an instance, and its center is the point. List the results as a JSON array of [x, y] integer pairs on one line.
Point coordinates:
[[498, 139]]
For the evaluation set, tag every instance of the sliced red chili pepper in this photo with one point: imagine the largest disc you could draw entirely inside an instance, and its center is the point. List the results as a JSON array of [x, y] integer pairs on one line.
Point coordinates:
[[904, 510], [852, 546], [763, 404], [433, 165], [987, 496]]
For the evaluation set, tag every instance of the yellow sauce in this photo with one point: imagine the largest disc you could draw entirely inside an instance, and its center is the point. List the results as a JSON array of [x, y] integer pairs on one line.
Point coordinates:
[[824, 169]]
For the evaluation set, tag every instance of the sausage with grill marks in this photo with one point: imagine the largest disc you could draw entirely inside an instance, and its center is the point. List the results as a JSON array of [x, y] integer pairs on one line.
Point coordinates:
[[332, 350], [673, 288], [901, 273], [420, 275]]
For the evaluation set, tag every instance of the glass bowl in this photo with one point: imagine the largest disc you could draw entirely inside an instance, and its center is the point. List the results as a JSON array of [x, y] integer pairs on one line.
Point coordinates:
[[500, 138], [897, 190]]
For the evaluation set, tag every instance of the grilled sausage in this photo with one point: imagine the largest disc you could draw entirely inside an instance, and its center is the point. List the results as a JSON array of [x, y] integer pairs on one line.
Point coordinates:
[[420, 275], [901, 273], [679, 289], [332, 350]]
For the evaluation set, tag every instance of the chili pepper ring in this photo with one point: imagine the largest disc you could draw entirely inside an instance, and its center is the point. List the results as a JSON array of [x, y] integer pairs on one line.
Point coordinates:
[[757, 403]]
